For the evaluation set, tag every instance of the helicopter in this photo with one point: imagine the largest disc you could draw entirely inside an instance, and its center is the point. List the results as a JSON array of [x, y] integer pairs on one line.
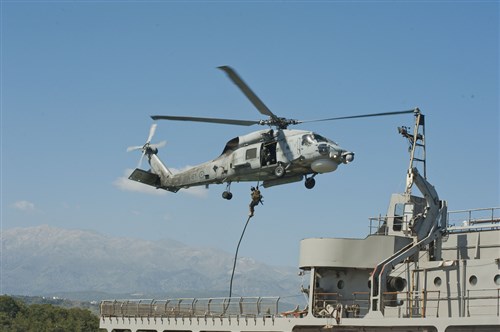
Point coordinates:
[[275, 156]]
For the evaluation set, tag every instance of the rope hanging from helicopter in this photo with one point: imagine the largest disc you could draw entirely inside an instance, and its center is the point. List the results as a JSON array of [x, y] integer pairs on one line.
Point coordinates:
[[235, 260], [256, 199]]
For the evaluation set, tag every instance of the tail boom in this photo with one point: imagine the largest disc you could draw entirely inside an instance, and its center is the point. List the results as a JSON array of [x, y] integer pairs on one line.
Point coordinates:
[[157, 177]]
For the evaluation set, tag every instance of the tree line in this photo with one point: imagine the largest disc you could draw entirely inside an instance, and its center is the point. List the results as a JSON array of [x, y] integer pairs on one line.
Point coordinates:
[[16, 316]]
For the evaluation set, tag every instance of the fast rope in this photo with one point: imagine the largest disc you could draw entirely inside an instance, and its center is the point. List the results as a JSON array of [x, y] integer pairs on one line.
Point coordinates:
[[255, 201], [238, 246], [236, 258]]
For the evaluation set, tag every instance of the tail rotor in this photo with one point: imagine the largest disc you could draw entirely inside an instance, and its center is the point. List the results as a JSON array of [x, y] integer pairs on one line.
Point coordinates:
[[148, 148]]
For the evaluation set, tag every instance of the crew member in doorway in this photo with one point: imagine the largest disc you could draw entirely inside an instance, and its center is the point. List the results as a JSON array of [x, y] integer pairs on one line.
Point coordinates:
[[256, 199]]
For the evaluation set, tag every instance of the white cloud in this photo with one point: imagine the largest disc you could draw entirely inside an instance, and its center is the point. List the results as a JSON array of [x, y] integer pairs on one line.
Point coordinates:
[[123, 183], [24, 206], [196, 191]]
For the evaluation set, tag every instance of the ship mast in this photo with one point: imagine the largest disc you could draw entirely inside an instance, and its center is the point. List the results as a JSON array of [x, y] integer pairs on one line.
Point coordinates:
[[416, 141]]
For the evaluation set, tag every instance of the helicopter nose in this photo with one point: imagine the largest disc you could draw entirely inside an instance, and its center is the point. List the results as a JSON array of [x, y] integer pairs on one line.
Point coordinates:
[[348, 157]]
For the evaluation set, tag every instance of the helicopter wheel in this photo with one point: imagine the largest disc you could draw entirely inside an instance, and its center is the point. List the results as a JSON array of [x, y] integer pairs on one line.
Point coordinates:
[[310, 182], [279, 171], [227, 195]]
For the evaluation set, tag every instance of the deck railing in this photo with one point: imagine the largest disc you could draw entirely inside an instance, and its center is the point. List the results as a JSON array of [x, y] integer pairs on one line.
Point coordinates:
[[191, 307], [396, 304], [480, 302], [474, 217]]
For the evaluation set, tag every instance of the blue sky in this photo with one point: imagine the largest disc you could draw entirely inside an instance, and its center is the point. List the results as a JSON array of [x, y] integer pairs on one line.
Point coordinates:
[[80, 79]]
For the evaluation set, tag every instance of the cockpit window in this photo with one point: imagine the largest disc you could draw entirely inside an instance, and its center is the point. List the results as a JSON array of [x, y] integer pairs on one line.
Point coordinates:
[[308, 139], [320, 138]]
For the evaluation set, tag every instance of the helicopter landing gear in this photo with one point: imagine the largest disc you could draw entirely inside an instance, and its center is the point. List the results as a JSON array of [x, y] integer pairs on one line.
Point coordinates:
[[227, 193], [310, 182], [279, 171]]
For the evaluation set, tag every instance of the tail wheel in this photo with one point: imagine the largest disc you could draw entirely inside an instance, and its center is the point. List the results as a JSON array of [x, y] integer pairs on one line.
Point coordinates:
[[279, 171]]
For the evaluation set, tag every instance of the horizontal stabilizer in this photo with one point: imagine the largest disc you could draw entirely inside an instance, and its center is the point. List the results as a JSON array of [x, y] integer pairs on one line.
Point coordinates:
[[145, 177]]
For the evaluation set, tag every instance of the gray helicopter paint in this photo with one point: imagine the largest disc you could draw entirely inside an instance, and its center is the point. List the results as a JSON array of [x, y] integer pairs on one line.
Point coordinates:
[[293, 160], [244, 161]]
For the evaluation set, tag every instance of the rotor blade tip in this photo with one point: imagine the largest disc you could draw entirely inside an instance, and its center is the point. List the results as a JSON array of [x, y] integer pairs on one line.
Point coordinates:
[[227, 69]]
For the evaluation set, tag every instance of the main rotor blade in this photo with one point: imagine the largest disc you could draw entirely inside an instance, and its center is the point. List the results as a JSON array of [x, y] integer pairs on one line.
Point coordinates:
[[210, 120], [361, 116], [261, 107]]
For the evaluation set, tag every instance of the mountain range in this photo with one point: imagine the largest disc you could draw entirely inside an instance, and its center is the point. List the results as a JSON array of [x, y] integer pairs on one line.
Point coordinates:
[[87, 265]]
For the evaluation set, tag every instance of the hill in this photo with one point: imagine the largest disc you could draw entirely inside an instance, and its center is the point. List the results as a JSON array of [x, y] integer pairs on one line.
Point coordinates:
[[87, 265]]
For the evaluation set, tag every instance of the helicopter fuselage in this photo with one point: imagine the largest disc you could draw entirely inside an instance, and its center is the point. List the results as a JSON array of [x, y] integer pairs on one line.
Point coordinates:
[[273, 157]]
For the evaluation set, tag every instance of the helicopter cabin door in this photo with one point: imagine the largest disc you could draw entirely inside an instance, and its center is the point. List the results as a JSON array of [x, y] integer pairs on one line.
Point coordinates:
[[268, 154]]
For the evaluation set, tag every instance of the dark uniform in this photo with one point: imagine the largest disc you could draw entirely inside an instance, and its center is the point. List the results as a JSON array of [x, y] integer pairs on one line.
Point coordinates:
[[256, 199]]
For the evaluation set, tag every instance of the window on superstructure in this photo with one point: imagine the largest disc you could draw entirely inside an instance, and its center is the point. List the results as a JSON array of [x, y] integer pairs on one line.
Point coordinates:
[[399, 210]]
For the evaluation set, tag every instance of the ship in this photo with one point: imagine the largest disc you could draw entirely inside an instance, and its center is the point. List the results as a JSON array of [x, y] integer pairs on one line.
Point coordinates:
[[420, 268]]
